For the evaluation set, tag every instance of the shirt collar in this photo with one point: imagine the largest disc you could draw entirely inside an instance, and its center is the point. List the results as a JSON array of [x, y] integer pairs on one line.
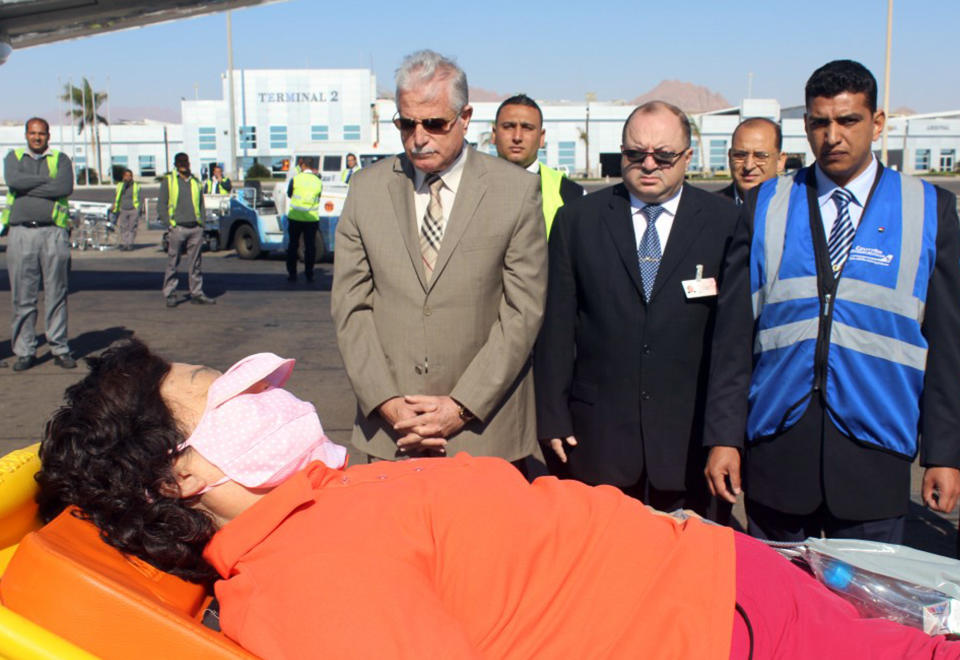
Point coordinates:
[[534, 167], [250, 528], [449, 176], [36, 156], [670, 206], [859, 187]]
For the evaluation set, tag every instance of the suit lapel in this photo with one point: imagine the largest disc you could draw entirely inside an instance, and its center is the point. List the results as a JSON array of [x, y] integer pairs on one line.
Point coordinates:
[[620, 225], [470, 192], [404, 210], [686, 227]]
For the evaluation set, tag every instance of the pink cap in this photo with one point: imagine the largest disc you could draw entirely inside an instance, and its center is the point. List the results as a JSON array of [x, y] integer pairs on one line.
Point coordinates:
[[256, 432]]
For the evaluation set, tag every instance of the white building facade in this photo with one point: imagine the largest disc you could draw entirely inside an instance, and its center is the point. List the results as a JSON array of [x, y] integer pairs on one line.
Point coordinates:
[[275, 110]]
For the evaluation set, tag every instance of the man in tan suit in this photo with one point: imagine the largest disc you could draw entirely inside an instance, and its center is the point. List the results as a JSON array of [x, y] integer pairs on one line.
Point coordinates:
[[439, 284]]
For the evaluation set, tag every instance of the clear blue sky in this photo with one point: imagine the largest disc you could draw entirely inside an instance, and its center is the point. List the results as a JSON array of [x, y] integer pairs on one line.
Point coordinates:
[[558, 50]]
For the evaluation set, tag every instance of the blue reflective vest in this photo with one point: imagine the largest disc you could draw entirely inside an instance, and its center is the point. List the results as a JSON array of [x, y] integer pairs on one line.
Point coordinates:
[[869, 331]]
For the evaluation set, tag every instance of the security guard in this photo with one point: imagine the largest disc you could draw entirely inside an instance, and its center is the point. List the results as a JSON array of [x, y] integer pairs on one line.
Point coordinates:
[[181, 208], [217, 184], [303, 218], [128, 207], [519, 135], [352, 167], [37, 216]]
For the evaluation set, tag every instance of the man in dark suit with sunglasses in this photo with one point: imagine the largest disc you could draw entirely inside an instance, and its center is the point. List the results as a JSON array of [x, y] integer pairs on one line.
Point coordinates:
[[439, 284], [622, 358]]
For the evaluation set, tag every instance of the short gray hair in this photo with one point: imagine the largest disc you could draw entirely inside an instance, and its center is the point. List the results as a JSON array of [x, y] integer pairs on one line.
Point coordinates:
[[425, 66]]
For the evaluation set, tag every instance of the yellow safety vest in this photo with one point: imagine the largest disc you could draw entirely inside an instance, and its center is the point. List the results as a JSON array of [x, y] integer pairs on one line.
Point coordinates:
[[136, 196], [208, 187], [173, 190], [348, 173], [61, 207], [305, 201], [550, 180]]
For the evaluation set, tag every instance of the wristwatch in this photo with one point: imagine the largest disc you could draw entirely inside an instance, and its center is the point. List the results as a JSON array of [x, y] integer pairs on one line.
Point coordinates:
[[465, 415]]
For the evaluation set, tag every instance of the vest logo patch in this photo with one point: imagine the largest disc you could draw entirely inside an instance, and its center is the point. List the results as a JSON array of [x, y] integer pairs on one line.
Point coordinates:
[[870, 255]]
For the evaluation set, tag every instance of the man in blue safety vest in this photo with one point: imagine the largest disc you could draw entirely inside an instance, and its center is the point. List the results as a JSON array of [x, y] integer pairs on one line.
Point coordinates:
[[39, 180], [835, 354]]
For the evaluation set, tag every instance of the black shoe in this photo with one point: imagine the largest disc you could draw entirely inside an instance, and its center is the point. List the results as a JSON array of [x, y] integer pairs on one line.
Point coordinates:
[[202, 300], [309, 277], [65, 361], [171, 301], [4, 364], [291, 278], [23, 363]]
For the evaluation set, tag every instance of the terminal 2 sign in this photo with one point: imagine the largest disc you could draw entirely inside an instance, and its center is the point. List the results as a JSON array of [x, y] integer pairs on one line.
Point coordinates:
[[329, 96]]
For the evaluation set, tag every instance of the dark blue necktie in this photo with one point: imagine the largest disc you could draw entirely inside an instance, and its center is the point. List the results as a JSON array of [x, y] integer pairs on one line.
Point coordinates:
[[649, 250], [841, 234]]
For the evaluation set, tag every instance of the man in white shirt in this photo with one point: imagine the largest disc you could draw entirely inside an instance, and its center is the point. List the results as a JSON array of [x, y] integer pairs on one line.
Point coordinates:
[[621, 361]]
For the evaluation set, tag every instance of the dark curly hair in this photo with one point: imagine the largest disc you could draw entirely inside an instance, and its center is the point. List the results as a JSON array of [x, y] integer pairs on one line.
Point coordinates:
[[110, 451], [839, 76]]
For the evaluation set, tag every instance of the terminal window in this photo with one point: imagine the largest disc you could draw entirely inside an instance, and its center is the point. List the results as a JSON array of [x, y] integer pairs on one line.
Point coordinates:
[[718, 155], [278, 137], [542, 154], [695, 158], [351, 132], [148, 166], [947, 160], [248, 137], [319, 132], [922, 162], [120, 161], [207, 138], [567, 155]]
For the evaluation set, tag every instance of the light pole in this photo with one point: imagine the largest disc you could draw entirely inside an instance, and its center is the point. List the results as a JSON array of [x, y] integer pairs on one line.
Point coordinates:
[[232, 151], [886, 88], [591, 96]]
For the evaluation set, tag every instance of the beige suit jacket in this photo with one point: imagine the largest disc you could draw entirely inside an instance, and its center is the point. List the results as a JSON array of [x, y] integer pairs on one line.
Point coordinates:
[[469, 332]]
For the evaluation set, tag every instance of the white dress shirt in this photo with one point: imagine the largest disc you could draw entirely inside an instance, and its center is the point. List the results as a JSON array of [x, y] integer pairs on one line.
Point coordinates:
[[663, 223], [859, 188], [448, 193]]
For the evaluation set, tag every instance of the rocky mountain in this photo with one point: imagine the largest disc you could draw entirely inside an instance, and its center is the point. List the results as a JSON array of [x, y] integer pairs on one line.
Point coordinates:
[[479, 94], [689, 97]]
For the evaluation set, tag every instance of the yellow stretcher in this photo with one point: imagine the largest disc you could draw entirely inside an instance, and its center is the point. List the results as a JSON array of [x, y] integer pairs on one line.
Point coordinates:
[[66, 594]]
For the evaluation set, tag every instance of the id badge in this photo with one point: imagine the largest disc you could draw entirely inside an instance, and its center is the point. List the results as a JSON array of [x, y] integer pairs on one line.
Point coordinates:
[[701, 287]]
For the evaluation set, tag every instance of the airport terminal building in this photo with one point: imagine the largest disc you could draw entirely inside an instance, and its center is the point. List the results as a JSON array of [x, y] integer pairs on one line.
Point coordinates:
[[275, 110]]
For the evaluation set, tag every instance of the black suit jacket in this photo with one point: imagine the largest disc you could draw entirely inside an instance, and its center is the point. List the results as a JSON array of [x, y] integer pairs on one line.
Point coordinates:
[[730, 192], [813, 462], [628, 378]]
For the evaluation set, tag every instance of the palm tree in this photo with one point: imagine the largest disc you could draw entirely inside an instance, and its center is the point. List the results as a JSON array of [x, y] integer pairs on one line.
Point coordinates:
[[694, 121], [86, 105]]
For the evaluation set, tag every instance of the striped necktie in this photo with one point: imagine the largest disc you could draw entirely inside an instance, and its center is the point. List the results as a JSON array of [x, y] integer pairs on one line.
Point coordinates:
[[431, 230], [649, 250], [841, 234]]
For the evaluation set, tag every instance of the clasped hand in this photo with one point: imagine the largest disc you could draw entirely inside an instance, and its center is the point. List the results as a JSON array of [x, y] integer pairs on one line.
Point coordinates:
[[424, 422]]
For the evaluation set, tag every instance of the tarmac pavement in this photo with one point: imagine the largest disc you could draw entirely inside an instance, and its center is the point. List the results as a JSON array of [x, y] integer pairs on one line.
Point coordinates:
[[115, 294]]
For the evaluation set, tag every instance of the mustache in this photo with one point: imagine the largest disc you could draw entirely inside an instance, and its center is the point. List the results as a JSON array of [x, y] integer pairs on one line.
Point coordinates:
[[422, 151]]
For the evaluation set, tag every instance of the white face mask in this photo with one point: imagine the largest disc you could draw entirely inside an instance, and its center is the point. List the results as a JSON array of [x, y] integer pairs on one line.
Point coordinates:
[[257, 433]]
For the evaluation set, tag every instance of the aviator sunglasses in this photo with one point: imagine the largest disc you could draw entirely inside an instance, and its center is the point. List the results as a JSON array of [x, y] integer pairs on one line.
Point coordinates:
[[662, 158], [430, 125]]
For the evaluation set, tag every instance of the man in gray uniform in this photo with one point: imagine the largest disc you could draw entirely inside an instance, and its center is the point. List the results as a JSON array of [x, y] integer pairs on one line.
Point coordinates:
[[37, 216], [128, 207], [181, 208]]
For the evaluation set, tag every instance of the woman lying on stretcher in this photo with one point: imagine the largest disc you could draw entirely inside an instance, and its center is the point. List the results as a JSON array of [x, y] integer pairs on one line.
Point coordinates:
[[230, 479]]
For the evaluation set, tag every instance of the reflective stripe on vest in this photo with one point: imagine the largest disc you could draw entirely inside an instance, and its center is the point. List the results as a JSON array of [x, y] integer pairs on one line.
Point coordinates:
[[876, 356], [61, 207], [173, 195], [550, 180], [305, 201], [136, 196]]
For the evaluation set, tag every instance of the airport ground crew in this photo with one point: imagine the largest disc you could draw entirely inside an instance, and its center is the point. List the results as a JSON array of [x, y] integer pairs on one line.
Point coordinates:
[[181, 208], [217, 184], [352, 167], [303, 219], [37, 217], [128, 207]]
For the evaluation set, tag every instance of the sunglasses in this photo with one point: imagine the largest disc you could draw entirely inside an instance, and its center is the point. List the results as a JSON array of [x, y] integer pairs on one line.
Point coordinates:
[[431, 125], [662, 158]]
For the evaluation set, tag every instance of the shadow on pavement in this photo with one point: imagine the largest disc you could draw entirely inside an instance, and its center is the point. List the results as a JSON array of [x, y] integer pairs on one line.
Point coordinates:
[[81, 346], [214, 284]]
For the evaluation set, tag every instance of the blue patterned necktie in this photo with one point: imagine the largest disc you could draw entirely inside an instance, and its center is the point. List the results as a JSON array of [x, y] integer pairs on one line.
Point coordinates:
[[649, 250], [841, 234]]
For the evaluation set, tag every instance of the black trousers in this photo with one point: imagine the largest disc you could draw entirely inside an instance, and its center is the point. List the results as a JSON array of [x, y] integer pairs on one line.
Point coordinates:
[[698, 499], [308, 230], [772, 525]]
